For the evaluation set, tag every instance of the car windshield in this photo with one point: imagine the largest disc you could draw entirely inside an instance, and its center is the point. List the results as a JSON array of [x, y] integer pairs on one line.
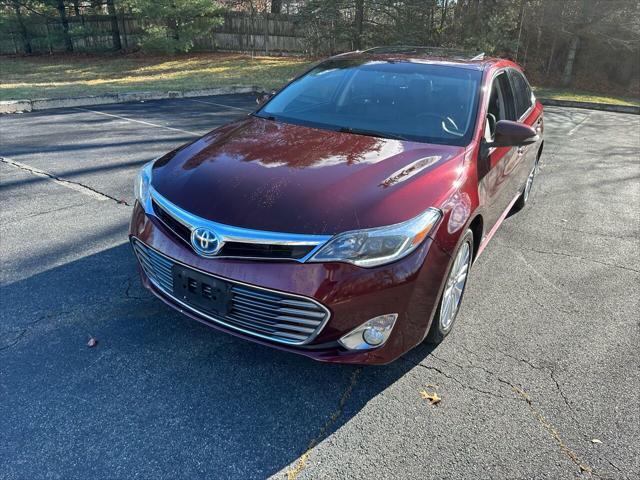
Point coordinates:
[[402, 100]]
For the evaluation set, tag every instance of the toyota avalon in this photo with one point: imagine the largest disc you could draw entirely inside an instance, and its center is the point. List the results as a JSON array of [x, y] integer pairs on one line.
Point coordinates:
[[341, 218]]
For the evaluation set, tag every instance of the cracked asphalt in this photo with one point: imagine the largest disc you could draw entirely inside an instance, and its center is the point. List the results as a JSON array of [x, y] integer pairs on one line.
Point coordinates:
[[539, 379]]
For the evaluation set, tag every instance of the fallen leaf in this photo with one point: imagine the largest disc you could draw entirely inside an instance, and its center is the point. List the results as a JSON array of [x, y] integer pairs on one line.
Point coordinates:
[[432, 398], [92, 342], [595, 440]]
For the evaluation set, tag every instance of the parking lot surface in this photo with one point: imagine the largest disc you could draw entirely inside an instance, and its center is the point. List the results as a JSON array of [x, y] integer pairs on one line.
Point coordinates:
[[539, 379]]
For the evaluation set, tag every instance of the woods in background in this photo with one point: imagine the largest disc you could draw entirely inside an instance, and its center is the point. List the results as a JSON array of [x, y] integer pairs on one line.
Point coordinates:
[[590, 44]]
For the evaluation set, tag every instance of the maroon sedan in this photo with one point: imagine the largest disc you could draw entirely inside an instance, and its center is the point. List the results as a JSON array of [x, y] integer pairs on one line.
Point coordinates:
[[341, 218]]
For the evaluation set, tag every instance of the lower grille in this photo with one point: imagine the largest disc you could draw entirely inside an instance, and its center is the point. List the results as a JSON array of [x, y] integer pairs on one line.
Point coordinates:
[[268, 314]]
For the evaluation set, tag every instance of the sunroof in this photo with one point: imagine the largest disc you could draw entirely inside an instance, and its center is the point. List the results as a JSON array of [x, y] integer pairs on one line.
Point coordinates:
[[430, 51]]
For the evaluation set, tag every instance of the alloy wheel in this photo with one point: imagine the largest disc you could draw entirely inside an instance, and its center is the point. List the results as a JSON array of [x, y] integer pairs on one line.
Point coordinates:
[[455, 287], [527, 188]]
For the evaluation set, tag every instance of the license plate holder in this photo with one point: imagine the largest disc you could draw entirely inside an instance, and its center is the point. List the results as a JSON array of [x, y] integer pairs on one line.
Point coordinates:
[[201, 291]]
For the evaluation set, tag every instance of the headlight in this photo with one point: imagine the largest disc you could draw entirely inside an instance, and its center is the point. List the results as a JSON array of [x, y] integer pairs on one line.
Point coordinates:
[[377, 246], [143, 181]]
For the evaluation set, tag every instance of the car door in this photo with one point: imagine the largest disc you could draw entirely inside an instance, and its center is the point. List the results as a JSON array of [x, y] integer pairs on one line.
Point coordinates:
[[496, 166], [525, 113]]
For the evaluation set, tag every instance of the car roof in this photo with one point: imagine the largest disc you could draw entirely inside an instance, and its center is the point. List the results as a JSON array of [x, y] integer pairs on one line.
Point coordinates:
[[431, 55]]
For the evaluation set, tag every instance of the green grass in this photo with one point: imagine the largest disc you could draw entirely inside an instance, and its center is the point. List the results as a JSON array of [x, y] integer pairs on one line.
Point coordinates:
[[78, 75], [580, 96], [69, 76]]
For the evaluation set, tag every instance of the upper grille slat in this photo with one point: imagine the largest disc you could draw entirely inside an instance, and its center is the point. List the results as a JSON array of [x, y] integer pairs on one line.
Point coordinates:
[[268, 314], [234, 249]]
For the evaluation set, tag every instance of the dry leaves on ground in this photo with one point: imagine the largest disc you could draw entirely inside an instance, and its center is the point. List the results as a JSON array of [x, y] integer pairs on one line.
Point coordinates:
[[432, 397]]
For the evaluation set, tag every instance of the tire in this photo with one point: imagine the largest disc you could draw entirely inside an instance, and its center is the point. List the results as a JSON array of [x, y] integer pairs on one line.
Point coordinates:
[[444, 317], [524, 196]]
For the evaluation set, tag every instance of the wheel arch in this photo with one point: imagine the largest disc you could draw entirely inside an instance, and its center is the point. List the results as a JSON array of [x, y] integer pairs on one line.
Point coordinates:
[[477, 228], [540, 150]]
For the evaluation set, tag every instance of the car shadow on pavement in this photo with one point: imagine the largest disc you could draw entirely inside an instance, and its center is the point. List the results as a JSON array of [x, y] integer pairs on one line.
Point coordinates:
[[159, 396]]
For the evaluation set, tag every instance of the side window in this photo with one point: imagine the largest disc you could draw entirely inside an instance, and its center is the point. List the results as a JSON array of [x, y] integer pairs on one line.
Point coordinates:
[[501, 105], [522, 93]]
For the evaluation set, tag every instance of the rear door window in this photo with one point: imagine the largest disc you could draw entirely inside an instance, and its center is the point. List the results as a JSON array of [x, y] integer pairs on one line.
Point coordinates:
[[522, 93]]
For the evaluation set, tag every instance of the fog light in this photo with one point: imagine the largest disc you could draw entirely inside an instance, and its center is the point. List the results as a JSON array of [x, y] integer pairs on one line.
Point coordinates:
[[371, 334]]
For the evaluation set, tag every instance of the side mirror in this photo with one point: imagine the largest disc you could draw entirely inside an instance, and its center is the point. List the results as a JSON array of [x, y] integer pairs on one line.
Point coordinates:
[[262, 98], [512, 134]]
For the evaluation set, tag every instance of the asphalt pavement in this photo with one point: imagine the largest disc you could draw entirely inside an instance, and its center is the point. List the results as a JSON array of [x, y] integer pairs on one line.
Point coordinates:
[[540, 378]]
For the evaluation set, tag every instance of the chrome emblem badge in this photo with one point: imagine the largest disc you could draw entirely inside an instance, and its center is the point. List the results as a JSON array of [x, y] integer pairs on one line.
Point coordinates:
[[205, 242]]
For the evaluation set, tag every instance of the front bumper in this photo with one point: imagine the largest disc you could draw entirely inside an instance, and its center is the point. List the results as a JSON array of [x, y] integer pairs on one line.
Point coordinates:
[[410, 287]]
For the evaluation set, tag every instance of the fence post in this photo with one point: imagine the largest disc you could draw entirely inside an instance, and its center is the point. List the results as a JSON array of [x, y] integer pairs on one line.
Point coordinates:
[[15, 45], [124, 32], [46, 24], [266, 32]]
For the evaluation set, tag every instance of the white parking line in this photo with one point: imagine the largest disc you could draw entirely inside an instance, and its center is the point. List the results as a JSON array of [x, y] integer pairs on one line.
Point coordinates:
[[139, 121], [574, 129], [219, 105]]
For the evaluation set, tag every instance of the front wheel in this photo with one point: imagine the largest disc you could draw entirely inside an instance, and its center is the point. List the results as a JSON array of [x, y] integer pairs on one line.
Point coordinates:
[[524, 196], [453, 291]]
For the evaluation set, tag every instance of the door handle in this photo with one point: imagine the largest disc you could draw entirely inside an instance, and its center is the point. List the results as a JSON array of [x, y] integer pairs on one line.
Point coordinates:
[[539, 125]]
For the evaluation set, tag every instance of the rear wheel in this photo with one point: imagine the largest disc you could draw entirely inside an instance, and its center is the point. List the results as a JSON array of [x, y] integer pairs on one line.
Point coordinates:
[[453, 291]]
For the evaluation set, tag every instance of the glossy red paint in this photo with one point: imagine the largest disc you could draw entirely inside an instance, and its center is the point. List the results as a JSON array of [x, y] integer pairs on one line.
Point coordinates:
[[260, 169], [265, 175], [353, 295]]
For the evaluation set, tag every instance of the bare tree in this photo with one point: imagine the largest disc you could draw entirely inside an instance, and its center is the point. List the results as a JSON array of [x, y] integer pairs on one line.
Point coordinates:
[[115, 29], [24, 33], [62, 12]]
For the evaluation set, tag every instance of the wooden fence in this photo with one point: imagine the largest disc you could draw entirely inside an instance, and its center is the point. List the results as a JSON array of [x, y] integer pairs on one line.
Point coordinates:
[[239, 32]]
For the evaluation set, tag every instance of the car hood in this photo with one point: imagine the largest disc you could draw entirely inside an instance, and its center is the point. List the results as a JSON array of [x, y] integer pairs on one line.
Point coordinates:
[[268, 175]]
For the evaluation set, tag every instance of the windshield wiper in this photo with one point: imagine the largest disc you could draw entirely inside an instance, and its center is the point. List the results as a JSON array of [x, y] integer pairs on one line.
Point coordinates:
[[371, 133], [265, 117]]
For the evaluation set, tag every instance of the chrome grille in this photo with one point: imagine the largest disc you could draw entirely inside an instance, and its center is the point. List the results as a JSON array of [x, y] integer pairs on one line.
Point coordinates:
[[267, 314], [237, 242], [235, 249]]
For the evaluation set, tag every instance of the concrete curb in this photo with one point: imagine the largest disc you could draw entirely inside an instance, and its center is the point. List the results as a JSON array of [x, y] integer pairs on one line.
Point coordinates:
[[22, 106], [607, 107]]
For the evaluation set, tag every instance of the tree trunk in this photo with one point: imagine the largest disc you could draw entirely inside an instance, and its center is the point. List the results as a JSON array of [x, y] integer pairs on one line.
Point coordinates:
[[551, 53], [443, 17], [276, 6], [26, 41], [46, 26], [68, 44], [13, 42], [266, 33], [520, 29], [359, 21], [571, 57], [115, 29], [124, 30], [432, 18]]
